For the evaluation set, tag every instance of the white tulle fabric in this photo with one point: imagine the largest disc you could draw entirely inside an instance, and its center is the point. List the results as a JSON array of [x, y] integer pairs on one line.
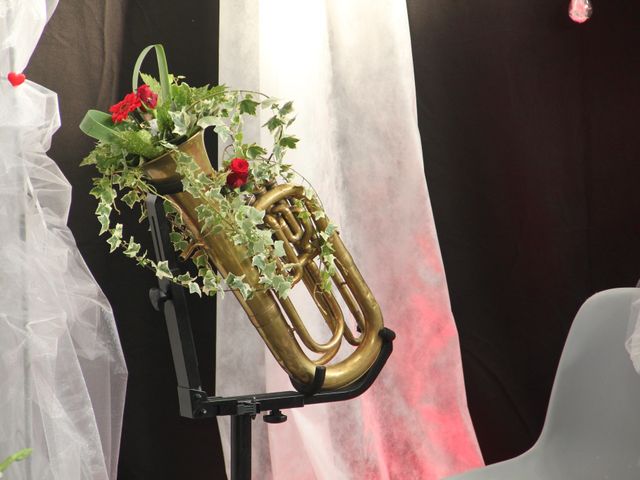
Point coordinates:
[[62, 373], [348, 68]]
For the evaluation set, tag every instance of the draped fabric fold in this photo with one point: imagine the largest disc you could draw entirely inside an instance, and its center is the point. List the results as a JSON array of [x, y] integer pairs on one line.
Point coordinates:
[[62, 372], [348, 68]]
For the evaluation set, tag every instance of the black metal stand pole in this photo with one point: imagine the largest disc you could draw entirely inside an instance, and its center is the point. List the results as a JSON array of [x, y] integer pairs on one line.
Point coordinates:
[[169, 299], [241, 447]]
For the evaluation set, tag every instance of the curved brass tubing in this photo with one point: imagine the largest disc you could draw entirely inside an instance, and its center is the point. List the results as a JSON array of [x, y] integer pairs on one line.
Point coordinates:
[[276, 320]]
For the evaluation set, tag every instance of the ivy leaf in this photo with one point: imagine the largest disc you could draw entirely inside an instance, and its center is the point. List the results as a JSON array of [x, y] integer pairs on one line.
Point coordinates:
[[282, 286], [265, 236], [256, 216], [131, 198], [273, 123], [142, 260], [178, 241], [308, 193], [201, 260], [214, 194], [209, 283], [326, 249], [257, 246], [132, 249], [169, 208], [103, 191], [182, 122], [304, 215], [223, 132], [331, 229], [326, 281], [237, 283], [329, 261], [162, 270], [268, 102], [104, 223], [278, 152], [269, 270], [258, 260], [195, 288], [103, 209], [114, 242], [89, 159], [210, 121], [181, 94], [286, 109], [115, 239], [248, 106], [318, 214], [254, 151], [289, 142], [278, 248], [184, 278]]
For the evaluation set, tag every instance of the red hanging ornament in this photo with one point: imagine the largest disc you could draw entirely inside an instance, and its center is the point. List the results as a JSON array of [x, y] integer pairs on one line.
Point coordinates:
[[16, 79], [580, 10]]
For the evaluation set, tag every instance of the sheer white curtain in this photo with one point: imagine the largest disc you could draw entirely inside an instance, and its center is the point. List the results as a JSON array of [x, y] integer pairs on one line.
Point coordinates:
[[347, 66], [62, 373]]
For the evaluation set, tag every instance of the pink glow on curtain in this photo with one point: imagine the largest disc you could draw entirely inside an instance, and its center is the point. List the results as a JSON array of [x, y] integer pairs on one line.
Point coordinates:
[[447, 438], [348, 68]]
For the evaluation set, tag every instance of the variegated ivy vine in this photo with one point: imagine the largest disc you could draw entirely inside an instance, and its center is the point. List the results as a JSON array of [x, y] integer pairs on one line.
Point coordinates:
[[157, 117]]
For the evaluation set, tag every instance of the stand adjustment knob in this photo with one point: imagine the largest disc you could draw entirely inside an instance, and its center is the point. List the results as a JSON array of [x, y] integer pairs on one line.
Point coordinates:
[[157, 297], [275, 416]]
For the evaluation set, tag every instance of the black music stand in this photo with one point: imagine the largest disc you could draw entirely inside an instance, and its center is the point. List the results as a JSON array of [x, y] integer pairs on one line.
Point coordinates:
[[194, 401]]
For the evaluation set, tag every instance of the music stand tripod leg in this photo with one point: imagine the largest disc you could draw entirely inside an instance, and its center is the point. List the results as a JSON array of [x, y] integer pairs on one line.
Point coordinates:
[[241, 447]]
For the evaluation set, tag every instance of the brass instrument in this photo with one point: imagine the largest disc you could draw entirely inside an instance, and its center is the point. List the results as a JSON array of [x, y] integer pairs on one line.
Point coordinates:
[[276, 319]]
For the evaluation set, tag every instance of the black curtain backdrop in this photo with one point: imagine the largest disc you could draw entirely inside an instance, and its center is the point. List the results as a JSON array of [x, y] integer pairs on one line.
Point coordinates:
[[528, 129], [87, 55]]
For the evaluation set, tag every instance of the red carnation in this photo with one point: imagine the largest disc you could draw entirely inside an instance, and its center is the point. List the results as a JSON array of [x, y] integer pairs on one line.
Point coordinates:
[[123, 108], [147, 96], [238, 172]]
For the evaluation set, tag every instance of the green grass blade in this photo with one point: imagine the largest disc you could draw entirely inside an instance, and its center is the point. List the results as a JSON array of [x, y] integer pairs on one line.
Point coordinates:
[[98, 125], [163, 71]]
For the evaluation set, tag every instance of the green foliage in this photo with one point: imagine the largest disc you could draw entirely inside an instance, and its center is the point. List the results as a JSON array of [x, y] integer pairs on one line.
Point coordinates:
[[152, 82], [140, 142], [248, 105], [181, 112], [16, 457]]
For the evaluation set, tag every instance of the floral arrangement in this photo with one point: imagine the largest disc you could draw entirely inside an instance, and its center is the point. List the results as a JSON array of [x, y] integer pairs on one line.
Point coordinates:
[[155, 118]]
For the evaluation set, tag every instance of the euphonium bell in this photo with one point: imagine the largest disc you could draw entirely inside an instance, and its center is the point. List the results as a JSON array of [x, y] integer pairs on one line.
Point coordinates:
[[276, 319]]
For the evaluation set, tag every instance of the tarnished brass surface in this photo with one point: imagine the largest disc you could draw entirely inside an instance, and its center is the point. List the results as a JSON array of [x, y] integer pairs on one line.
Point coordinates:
[[277, 320]]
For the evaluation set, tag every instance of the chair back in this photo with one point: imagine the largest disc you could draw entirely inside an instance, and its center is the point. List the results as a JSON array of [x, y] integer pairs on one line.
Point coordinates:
[[592, 427]]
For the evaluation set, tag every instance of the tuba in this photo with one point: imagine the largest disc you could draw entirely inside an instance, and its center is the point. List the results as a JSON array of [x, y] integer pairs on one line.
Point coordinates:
[[276, 319]]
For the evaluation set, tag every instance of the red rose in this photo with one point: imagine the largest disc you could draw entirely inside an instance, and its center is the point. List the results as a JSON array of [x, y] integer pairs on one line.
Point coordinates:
[[147, 96], [239, 165], [238, 173], [123, 108], [236, 180]]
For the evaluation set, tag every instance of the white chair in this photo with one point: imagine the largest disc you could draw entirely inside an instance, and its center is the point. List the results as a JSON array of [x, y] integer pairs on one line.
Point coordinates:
[[592, 428]]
